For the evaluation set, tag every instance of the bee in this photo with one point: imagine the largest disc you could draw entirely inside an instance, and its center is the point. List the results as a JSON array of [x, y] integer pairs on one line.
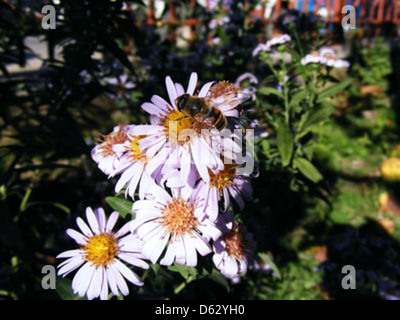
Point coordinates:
[[211, 107]]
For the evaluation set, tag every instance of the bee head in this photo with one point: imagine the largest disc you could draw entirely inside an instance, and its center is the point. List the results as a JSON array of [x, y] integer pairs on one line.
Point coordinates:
[[181, 101], [189, 105]]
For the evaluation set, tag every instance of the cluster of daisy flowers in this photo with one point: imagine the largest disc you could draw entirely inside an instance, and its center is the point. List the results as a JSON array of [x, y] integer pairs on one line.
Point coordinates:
[[184, 177], [324, 56]]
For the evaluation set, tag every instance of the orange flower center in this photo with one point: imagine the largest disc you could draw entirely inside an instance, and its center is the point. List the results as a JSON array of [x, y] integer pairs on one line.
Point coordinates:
[[101, 249], [224, 178], [178, 216], [108, 141], [223, 88], [235, 244]]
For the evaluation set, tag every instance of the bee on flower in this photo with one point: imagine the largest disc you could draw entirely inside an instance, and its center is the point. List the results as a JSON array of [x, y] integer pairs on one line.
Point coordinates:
[[185, 129]]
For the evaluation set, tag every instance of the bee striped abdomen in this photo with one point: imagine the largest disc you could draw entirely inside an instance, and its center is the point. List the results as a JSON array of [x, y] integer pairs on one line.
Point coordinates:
[[217, 119]]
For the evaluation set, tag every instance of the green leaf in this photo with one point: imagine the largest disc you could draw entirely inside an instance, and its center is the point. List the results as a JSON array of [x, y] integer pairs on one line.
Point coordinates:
[[181, 269], [64, 290], [297, 98], [121, 205], [314, 117], [24, 202], [267, 260], [265, 147], [155, 267], [333, 90], [308, 169], [268, 91], [269, 79], [285, 143], [296, 57], [62, 207], [220, 279]]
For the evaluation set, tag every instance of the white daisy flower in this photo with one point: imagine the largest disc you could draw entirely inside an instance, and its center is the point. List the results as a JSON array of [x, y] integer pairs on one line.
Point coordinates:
[[133, 167], [332, 60], [183, 139], [274, 41], [247, 76], [233, 249], [277, 40], [107, 154], [252, 83], [99, 257], [325, 56], [313, 58], [224, 184], [175, 223], [259, 48]]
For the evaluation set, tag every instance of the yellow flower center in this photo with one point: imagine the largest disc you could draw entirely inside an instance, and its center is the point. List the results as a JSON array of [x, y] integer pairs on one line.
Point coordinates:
[[101, 249], [108, 141], [178, 216], [235, 244], [224, 178], [176, 121], [135, 151]]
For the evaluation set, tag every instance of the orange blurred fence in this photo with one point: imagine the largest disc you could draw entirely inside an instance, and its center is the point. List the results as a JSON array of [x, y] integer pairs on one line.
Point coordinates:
[[371, 15]]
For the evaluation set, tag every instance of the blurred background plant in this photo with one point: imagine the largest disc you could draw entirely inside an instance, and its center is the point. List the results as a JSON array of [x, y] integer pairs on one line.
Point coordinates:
[[322, 135]]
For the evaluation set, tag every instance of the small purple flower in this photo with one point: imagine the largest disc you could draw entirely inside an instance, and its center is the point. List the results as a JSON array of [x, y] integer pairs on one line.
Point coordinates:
[[277, 40], [261, 47], [270, 44], [261, 266], [122, 85], [252, 80], [218, 22]]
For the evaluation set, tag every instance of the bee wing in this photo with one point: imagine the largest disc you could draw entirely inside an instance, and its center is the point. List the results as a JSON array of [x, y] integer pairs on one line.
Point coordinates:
[[230, 100]]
